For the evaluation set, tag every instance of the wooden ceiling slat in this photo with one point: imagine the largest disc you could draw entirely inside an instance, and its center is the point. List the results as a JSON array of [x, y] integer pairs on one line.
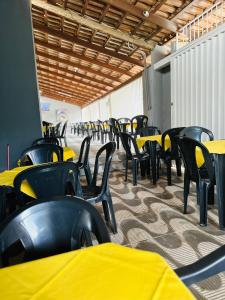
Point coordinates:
[[53, 95], [75, 65], [82, 57], [136, 11], [67, 85], [75, 40], [71, 15], [62, 91], [85, 85], [73, 73], [65, 88], [71, 83]]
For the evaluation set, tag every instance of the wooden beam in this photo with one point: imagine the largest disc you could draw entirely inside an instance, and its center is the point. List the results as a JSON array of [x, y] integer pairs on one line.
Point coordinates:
[[89, 45], [63, 88], [63, 92], [72, 16], [69, 86], [75, 65], [93, 80], [46, 93], [138, 12], [83, 57], [75, 80]]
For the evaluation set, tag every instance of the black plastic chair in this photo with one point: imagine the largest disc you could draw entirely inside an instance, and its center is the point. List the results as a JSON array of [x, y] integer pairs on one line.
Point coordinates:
[[124, 122], [48, 227], [104, 131], [148, 131], [95, 193], [83, 160], [172, 153], [114, 131], [136, 158], [46, 140], [137, 123], [40, 154], [49, 180], [203, 177], [209, 265], [62, 135], [196, 132]]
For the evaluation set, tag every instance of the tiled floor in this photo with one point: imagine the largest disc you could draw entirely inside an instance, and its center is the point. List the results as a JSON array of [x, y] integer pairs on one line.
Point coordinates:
[[151, 218]]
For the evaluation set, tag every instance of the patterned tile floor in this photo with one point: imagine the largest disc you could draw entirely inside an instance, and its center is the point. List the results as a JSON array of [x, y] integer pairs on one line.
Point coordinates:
[[150, 218]]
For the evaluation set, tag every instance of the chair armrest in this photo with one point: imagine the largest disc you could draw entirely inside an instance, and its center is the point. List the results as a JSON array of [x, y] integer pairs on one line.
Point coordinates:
[[207, 266]]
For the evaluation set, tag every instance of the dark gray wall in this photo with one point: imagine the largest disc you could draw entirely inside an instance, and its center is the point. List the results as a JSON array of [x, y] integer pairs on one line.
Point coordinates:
[[20, 115]]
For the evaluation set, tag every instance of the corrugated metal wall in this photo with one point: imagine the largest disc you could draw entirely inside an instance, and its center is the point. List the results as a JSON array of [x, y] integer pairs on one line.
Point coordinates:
[[198, 84]]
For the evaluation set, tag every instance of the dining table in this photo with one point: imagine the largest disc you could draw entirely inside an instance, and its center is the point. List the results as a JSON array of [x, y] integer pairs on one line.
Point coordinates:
[[100, 272], [215, 147], [151, 143], [7, 178]]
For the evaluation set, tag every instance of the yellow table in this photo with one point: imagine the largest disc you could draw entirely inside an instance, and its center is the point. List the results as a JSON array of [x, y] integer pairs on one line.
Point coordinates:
[[68, 153], [214, 147], [103, 272], [7, 178], [153, 138]]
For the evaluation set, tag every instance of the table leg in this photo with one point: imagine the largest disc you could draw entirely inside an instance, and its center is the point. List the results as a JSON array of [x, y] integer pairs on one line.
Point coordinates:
[[151, 146], [219, 160]]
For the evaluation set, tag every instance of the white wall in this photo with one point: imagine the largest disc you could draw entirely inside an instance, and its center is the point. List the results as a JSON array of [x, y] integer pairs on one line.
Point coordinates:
[[124, 102], [73, 111], [198, 83]]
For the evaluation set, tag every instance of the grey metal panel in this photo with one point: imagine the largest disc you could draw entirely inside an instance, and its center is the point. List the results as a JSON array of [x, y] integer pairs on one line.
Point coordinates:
[[198, 85], [19, 100]]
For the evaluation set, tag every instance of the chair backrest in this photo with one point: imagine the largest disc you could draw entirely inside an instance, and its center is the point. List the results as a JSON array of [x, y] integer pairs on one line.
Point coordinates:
[[40, 154], [114, 125], [46, 140], [188, 150], [63, 132], [173, 151], [196, 132], [138, 122], [53, 226], [124, 120], [128, 141], [84, 151], [105, 151], [56, 129], [148, 131], [48, 180]]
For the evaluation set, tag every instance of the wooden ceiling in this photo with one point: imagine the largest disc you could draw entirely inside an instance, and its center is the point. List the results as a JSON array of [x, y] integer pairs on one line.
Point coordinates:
[[85, 49]]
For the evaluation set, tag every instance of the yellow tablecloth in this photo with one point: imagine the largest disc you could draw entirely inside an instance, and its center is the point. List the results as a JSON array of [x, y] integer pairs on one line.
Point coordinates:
[[154, 138], [102, 272], [7, 178], [214, 147], [68, 153]]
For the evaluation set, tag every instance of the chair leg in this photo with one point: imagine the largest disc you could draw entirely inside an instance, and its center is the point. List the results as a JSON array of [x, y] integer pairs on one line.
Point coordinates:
[[168, 165], [65, 141], [178, 166], [112, 214], [118, 141], [203, 198], [88, 175], [134, 170], [109, 213], [186, 191], [126, 169], [143, 168]]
